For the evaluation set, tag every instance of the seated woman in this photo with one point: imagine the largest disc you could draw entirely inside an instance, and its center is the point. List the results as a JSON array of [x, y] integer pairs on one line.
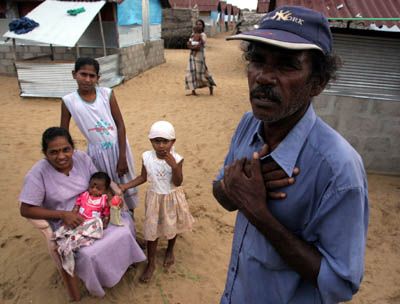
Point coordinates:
[[49, 192]]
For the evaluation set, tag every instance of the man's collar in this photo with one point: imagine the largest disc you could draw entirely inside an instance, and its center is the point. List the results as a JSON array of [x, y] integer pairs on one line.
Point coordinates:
[[287, 152]]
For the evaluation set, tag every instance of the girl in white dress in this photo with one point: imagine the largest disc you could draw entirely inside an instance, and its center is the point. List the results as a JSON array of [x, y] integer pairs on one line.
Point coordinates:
[[167, 211], [97, 115]]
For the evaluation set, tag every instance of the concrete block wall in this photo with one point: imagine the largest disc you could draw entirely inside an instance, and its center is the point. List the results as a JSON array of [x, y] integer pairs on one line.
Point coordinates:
[[177, 26], [25, 52], [140, 57], [371, 126]]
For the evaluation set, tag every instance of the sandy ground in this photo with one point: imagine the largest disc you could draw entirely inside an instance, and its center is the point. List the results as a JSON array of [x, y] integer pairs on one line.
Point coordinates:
[[204, 126]]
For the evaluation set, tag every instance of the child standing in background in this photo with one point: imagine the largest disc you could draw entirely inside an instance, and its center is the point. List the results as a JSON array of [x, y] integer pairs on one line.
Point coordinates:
[[97, 115], [167, 211]]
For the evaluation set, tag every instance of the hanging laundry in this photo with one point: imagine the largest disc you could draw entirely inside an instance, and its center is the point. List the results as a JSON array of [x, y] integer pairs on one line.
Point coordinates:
[[22, 25], [76, 11]]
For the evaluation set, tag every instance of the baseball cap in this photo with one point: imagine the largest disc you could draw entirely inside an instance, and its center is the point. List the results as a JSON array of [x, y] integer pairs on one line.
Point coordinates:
[[292, 27]]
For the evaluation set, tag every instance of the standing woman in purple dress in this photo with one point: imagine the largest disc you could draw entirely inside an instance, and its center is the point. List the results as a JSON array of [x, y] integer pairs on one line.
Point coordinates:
[[49, 192]]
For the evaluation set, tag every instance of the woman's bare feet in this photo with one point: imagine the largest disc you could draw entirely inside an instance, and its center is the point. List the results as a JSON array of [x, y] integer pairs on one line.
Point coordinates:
[[192, 94], [169, 259], [148, 273]]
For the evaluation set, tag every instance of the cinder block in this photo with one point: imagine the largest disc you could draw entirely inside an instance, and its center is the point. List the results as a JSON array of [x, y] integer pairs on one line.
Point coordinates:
[[360, 125], [69, 57], [378, 144], [60, 50], [356, 142], [395, 142], [391, 127], [58, 56], [5, 49], [7, 55], [34, 49], [87, 51], [99, 52], [11, 70], [346, 104], [324, 104], [110, 51], [383, 164], [124, 58], [28, 55], [45, 49], [331, 120], [386, 107]]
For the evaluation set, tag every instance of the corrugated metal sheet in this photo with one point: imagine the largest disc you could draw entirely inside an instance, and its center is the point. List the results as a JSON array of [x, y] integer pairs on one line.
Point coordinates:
[[207, 5], [90, 38], [346, 9], [203, 5], [56, 26], [229, 9], [109, 69], [222, 6], [51, 79], [371, 67], [262, 6], [181, 3]]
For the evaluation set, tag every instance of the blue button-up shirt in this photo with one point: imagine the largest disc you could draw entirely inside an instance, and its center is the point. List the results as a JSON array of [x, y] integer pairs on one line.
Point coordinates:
[[326, 207]]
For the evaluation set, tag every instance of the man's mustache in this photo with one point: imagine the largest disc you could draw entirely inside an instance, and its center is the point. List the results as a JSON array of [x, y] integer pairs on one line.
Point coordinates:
[[264, 91]]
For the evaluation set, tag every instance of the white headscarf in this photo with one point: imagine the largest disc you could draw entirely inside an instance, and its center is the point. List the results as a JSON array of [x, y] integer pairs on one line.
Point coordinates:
[[163, 129]]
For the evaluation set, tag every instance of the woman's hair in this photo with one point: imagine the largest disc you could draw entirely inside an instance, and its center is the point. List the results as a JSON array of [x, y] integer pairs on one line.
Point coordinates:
[[202, 23], [51, 133], [102, 176], [81, 61], [323, 66]]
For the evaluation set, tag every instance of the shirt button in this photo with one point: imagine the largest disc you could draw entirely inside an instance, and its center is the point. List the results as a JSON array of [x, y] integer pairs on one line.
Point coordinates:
[[232, 268], [226, 294]]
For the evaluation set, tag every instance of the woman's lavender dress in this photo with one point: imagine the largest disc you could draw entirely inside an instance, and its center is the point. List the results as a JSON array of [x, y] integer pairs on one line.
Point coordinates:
[[104, 263]]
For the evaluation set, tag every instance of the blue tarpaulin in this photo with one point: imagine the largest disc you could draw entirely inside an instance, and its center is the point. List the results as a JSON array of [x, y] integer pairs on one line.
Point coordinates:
[[214, 15], [155, 11], [130, 12]]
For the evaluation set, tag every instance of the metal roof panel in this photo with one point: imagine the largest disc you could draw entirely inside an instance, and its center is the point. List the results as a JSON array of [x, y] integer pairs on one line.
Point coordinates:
[[56, 26], [203, 5], [229, 9], [346, 9]]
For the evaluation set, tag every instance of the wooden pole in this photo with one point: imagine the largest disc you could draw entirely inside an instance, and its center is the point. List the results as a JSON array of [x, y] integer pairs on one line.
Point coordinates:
[[102, 35], [14, 50], [52, 52]]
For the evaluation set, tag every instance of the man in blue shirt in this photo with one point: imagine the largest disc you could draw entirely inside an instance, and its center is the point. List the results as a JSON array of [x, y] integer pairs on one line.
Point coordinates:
[[309, 246]]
